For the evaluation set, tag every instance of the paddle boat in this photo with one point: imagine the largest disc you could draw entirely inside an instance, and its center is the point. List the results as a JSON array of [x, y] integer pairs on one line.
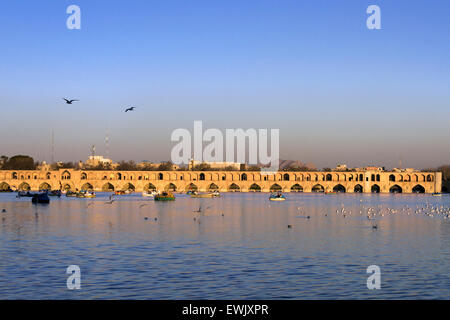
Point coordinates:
[[24, 194], [40, 198], [437, 194], [149, 193], [277, 197], [54, 193], [164, 196], [85, 194], [216, 193], [71, 194], [202, 195]]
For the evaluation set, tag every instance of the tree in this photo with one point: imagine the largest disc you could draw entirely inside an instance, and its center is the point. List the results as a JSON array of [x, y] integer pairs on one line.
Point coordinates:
[[165, 166], [19, 162], [127, 166]]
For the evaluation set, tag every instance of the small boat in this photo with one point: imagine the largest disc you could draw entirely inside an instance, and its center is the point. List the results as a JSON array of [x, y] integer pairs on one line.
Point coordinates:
[[437, 194], [24, 194], [277, 197], [71, 194], [149, 193], [164, 196], [216, 194], [202, 195], [330, 192], [85, 194], [191, 192], [119, 192], [40, 198], [55, 193]]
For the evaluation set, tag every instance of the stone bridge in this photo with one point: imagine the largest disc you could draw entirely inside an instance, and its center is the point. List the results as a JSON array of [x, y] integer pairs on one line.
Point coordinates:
[[224, 181]]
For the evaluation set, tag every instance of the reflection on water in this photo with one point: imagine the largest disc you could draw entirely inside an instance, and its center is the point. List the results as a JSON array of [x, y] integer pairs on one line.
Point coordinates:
[[238, 247]]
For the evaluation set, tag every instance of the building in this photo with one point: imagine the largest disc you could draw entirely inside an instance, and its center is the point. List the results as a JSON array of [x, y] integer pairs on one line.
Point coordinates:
[[216, 165], [95, 161]]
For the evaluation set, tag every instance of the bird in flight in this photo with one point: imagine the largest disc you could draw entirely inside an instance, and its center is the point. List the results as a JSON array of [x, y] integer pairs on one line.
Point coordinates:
[[69, 101], [129, 109]]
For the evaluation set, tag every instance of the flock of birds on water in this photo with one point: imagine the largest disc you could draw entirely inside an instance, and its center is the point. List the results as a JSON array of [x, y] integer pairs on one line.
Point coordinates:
[[71, 101], [370, 213]]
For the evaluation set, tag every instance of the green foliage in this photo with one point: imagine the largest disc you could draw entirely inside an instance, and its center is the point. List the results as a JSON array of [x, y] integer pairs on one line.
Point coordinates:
[[19, 162]]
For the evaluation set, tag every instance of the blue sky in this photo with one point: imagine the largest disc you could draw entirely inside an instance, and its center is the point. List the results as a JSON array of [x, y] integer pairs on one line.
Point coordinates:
[[338, 92]]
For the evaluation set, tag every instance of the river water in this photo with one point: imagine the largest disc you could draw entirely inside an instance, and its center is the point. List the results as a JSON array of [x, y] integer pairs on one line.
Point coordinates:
[[238, 247]]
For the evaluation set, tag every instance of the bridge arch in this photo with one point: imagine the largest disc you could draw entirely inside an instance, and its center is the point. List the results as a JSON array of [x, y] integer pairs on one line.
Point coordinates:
[[296, 188], [244, 177], [234, 188], [45, 186], [392, 178], [286, 177], [418, 189], [87, 186], [170, 187], [191, 187], [202, 176], [149, 187], [4, 186], [339, 188], [66, 187], [275, 187], [255, 187], [108, 187], [213, 187], [396, 189], [24, 186], [83, 176], [375, 189], [318, 188], [329, 177], [129, 186], [358, 189]]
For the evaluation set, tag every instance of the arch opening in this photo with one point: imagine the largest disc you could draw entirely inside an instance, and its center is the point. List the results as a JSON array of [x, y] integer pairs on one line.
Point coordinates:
[[149, 187], [318, 188], [4, 187], [108, 187], [87, 187], [191, 187], [45, 187], [24, 187], [296, 188], [418, 189], [255, 188], [275, 188], [213, 187], [129, 187], [396, 189], [375, 189], [339, 188], [170, 187], [234, 188]]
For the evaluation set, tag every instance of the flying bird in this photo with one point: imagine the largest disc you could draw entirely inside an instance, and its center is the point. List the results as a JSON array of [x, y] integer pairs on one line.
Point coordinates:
[[130, 109], [70, 101]]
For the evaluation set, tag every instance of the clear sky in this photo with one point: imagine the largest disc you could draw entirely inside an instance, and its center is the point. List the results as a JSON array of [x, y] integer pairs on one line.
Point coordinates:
[[338, 92]]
